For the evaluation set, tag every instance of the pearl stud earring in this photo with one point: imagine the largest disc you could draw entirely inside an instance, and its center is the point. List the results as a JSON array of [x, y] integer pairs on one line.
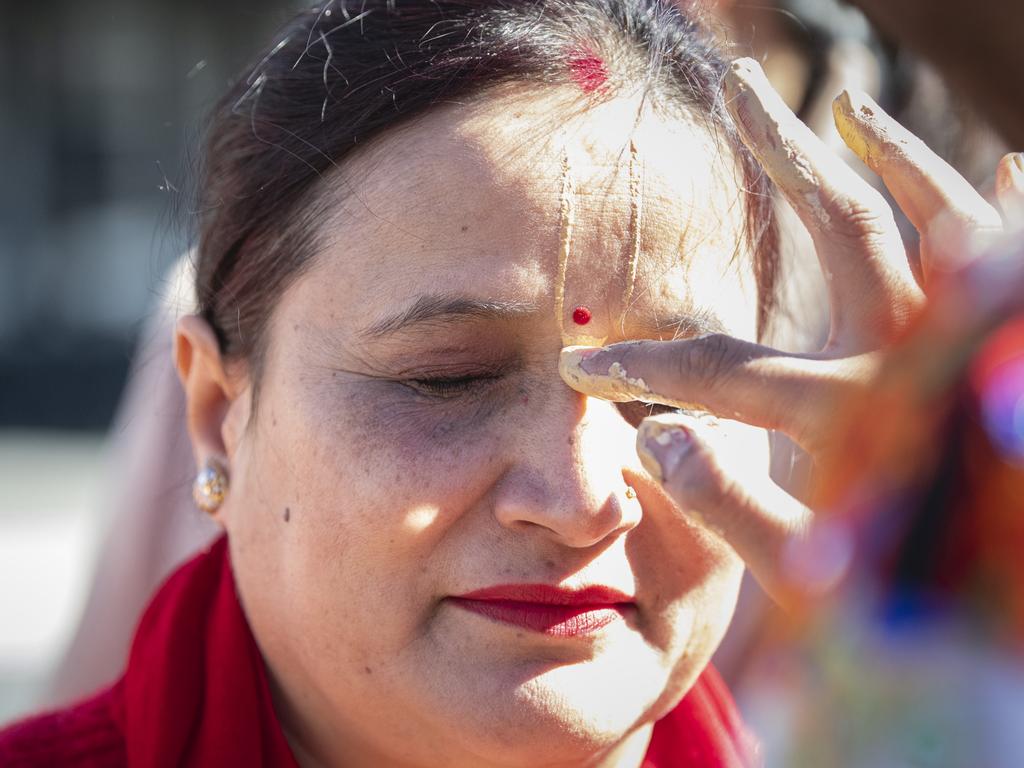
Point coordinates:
[[210, 487]]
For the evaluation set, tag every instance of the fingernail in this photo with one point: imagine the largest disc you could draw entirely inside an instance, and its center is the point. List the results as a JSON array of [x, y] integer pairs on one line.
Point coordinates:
[[864, 126], [598, 371], [661, 447], [596, 361], [576, 358], [1018, 161], [859, 105]]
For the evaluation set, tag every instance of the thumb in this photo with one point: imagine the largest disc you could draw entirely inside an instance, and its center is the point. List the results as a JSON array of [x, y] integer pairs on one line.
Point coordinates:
[[766, 526]]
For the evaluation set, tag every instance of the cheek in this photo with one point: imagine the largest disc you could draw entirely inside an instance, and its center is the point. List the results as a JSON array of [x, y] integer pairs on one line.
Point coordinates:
[[376, 494], [390, 449], [371, 481]]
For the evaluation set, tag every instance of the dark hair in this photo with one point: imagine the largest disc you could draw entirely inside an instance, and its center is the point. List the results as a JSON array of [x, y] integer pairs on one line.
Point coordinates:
[[343, 73]]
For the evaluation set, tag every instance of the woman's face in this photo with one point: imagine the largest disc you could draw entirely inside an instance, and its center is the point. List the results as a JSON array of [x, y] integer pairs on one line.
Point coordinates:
[[414, 441]]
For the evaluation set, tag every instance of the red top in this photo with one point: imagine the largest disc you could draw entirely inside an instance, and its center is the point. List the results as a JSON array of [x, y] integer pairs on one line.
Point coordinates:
[[195, 694]]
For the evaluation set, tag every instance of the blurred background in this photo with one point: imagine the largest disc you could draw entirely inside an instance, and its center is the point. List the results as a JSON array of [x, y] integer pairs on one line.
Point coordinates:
[[101, 110]]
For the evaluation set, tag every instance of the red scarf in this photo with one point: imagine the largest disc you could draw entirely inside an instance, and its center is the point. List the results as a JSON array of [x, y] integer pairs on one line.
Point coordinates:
[[195, 691], [195, 694]]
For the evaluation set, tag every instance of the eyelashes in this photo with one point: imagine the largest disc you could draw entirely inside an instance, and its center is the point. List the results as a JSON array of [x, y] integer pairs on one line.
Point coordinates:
[[634, 412], [444, 388], [448, 387]]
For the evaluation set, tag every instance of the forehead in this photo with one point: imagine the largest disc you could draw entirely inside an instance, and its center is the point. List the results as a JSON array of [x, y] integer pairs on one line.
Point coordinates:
[[469, 199]]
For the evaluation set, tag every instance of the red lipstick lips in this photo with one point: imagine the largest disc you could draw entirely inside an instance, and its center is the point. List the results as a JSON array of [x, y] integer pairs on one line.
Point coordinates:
[[550, 610]]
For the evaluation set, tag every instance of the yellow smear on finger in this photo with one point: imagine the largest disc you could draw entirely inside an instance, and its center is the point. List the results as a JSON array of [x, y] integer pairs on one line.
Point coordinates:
[[872, 134], [848, 128], [867, 130]]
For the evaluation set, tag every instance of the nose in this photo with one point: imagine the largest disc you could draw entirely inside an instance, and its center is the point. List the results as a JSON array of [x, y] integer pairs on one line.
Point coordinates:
[[567, 483]]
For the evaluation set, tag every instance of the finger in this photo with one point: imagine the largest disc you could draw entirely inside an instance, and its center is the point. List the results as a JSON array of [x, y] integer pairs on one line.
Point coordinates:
[[871, 288], [848, 62], [760, 521], [939, 202], [1010, 188], [731, 378]]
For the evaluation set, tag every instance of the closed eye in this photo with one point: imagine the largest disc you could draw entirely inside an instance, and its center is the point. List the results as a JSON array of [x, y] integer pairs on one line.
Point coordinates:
[[450, 386]]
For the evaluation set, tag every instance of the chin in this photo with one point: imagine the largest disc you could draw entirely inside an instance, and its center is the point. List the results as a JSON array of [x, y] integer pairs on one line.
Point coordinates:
[[569, 713]]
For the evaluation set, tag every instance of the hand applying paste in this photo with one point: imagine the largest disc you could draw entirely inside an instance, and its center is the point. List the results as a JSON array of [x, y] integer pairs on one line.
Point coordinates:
[[873, 296]]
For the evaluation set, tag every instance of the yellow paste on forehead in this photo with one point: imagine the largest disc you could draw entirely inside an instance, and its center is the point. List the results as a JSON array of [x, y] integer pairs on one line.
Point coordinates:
[[636, 208], [567, 213], [567, 217]]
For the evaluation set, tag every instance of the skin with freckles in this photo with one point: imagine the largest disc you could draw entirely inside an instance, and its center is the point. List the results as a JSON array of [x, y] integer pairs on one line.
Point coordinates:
[[413, 421]]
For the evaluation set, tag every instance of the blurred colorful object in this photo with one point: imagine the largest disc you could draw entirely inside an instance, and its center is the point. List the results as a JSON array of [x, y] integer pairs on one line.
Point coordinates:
[[917, 658], [942, 536], [998, 378]]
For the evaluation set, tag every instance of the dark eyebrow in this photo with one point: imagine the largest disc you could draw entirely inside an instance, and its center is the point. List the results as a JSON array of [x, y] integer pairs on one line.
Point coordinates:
[[437, 309], [446, 308]]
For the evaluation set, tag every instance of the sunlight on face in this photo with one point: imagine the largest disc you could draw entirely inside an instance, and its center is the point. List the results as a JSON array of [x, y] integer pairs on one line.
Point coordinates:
[[413, 421]]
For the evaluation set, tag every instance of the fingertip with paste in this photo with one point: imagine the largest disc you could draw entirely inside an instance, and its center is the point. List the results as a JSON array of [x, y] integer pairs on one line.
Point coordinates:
[[598, 372], [661, 443]]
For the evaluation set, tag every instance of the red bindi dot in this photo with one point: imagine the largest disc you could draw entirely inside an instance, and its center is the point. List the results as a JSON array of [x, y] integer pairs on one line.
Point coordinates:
[[581, 315]]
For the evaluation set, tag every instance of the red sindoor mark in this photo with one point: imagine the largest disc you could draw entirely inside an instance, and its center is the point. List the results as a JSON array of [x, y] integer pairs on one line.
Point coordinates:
[[588, 71]]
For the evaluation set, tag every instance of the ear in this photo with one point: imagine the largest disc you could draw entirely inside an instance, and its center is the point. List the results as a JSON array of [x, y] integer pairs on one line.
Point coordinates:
[[210, 391]]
